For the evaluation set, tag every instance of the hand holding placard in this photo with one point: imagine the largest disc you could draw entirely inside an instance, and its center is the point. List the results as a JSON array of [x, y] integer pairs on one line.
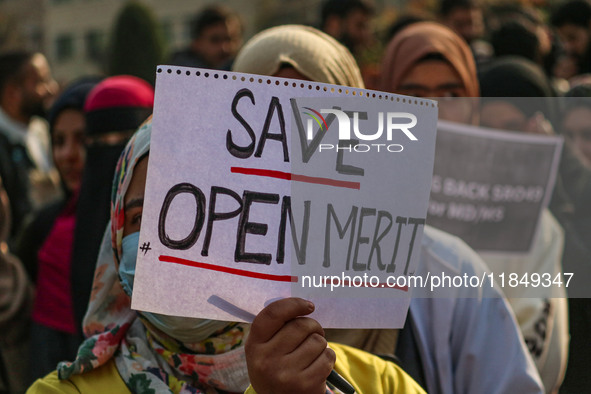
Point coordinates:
[[284, 343]]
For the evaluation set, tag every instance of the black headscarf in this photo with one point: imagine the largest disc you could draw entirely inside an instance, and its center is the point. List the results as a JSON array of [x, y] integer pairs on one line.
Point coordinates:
[[117, 106], [516, 77]]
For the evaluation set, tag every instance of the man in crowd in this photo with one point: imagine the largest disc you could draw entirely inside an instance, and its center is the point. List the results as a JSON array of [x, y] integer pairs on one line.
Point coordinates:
[[349, 22], [572, 21], [464, 17], [216, 38], [26, 87]]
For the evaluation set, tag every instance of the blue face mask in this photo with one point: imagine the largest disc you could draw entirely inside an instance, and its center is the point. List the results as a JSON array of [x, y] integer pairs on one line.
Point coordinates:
[[184, 329], [129, 248]]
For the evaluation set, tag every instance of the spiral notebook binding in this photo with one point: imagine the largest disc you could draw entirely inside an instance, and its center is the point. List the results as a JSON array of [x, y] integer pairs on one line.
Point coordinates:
[[283, 82]]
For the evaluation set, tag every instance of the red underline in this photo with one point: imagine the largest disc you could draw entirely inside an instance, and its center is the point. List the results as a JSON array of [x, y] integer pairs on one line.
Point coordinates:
[[295, 177], [227, 270], [256, 275]]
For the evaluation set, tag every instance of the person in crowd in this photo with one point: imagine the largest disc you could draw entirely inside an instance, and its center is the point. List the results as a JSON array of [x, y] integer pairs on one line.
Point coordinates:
[[136, 351], [572, 21], [576, 122], [441, 345], [349, 22], [536, 114], [465, 17], [216, 37], [513, 76], [515, 38], [507, 21], [426, 59], [429, 60], [114, 109], [45, 246], [574, 125], [30, 179], [16, 299], [520, 77]]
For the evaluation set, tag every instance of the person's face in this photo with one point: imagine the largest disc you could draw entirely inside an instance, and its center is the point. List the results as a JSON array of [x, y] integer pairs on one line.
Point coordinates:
[[565, 67], [467, 22], [574, 38], [134, 198], [38, 87], [438, 79], [219, 43], [69, 153], [503, 116], [576, 126], [356, 31]]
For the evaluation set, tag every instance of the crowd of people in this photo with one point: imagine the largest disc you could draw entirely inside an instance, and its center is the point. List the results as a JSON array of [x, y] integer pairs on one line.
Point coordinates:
[[73, 163]]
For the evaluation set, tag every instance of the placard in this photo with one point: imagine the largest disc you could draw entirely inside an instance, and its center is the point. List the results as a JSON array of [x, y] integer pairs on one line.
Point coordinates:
[[490, 186], [260, 188]]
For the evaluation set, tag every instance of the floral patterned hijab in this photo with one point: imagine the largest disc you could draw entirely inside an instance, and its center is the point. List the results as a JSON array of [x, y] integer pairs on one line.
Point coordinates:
[[148, 360]]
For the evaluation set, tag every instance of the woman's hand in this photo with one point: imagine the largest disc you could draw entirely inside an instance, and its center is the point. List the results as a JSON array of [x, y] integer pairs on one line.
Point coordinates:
[[287, 353]]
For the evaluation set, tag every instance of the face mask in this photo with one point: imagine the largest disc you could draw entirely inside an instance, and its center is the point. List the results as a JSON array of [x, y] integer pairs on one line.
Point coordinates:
[[129, 247], [184, 329]]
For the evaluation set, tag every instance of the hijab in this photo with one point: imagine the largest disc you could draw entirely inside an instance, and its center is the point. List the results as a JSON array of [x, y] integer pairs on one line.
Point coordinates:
[[72, 98], [418, 40], [147, 358], [313, 53], [513, 77], [115, 106], [322, 59]]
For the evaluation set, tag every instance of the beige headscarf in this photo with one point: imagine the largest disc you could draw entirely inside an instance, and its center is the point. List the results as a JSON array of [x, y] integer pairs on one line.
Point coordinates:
[[322, 59], [420, 39], [313, 53]]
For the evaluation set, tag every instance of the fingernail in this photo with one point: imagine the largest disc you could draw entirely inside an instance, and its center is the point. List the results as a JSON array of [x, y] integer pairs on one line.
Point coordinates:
[[311, 305]]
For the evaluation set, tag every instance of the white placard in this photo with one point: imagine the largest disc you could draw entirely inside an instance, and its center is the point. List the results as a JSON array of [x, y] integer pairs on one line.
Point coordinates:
[[232, 171]]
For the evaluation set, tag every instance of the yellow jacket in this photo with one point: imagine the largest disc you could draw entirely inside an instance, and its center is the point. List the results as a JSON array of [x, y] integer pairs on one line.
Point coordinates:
[[366, 372]]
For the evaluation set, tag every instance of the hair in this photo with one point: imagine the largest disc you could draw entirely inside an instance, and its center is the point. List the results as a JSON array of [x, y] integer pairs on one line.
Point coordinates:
[[447, 6], [402, 22], [209, 16], [12, 66], [342, 9], [576, 12], [515, 38]]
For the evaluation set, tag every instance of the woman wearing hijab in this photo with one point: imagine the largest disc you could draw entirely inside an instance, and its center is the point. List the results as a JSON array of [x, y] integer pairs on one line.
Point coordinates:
[[467, 344], [426, 59], [315, 56], [522, 103], [45, 246], [138, 351], [114, 110], [414, 58], [143, 352]]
